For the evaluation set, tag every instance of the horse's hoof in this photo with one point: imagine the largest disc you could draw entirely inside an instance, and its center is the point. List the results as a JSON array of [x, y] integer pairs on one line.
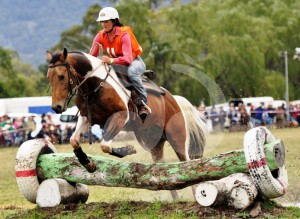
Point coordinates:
[[123, 151], [106, 149], [90, 167], [130, 149]]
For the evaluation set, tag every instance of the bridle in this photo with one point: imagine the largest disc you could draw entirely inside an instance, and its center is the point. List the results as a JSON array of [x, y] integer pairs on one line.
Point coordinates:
[[72, 91]]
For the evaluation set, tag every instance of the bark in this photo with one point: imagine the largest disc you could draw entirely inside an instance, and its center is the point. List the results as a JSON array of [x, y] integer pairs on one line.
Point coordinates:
[[152, 176]]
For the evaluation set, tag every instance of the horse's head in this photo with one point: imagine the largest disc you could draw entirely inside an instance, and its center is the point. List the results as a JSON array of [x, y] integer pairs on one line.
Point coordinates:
[[60, 78], [63, 72]]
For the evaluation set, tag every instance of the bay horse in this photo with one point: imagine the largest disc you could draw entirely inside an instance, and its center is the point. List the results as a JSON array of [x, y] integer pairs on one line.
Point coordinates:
[[103, 99]]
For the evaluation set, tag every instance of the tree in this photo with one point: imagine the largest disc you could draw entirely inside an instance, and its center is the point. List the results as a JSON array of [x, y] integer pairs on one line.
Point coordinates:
[[234, 44], [17, 79], [80, 37]]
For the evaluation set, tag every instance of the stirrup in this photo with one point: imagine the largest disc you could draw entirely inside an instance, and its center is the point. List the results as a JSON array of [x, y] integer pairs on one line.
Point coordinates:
[[143, 111]]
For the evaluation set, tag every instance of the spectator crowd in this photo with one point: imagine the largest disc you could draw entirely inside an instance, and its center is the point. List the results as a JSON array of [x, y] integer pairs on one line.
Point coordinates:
[[242, 118], [14, 131]]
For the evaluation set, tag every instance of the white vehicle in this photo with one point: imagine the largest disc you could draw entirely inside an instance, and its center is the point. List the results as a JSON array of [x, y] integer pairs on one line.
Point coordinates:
[[255, 101], [69, 117], [278, 103], [296, 102]]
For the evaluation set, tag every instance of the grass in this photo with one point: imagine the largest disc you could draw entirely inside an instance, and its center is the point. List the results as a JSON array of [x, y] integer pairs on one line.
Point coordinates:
[[12, 201]]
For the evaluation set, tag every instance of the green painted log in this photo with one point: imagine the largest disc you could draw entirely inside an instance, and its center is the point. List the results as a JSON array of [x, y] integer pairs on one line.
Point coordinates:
[[152, 176]]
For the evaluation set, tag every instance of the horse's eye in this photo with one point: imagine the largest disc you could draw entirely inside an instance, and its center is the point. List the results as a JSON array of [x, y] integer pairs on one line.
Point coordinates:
[[61, 77]]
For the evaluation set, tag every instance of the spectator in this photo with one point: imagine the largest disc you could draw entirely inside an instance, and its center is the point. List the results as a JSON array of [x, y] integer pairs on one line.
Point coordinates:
[[43, 121], [259, 114], [293, 116], [202, 111], [44, 133], [214, 116], [280, 117], [298, 113], [67, 133], [31, 125], [245, 118], [271, 113], [9, 137], [222, 116], [233, 115]]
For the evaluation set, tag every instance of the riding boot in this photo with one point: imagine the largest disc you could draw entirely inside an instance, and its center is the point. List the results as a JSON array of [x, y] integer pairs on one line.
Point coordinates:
[[143, 109]]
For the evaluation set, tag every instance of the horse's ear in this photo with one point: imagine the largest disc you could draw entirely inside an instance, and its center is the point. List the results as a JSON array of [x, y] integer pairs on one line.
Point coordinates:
[[65, 53], [49, 56]]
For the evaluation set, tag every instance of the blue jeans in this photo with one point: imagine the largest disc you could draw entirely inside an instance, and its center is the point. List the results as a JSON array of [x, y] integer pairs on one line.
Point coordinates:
[[135, 71]]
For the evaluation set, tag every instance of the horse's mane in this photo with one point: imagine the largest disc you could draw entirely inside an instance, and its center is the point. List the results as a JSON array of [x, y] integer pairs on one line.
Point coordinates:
[[81, 64]]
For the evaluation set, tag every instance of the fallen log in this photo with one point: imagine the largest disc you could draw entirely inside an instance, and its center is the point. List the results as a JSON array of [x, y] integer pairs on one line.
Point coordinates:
[[237, 190], [152, 176]]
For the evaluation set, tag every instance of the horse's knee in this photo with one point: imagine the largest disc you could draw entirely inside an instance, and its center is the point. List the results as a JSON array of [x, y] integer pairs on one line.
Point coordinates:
[[74, 142]]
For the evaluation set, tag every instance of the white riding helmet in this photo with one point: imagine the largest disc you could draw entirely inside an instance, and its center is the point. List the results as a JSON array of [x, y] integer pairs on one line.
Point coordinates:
[[108, 13]]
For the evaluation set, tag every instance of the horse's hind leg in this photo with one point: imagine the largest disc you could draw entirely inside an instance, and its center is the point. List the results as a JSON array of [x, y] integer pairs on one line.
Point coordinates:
[[157, 154], [112, 127]]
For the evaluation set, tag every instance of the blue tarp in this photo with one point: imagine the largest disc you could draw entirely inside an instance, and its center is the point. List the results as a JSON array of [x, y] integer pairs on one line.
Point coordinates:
[[40, 109]]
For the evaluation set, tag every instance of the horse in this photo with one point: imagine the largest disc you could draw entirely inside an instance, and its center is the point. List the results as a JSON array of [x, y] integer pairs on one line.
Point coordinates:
[[103, 99]]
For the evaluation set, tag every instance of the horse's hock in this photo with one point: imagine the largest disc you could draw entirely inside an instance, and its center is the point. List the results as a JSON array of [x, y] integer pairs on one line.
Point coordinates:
[[234, 178]]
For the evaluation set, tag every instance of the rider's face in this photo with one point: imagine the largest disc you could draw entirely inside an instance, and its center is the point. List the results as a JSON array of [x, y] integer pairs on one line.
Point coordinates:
[[107, 25]]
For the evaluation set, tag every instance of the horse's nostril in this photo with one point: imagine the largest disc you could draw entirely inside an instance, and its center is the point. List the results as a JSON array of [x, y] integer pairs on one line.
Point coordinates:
[[57, 108]]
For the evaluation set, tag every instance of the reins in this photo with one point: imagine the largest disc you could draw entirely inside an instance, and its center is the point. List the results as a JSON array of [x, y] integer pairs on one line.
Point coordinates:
[[76, 89]]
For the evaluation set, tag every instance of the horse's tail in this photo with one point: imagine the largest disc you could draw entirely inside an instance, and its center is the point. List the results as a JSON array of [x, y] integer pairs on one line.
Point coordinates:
[[196, 129]]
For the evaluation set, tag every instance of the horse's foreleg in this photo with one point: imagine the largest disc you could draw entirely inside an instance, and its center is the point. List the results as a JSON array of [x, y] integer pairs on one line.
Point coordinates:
[[82, 125], [112, 127]]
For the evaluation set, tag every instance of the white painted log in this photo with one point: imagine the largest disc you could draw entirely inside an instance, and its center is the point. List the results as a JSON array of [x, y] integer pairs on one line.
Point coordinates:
[[53, 192], [207, 193], [243, 194], [237, 190]]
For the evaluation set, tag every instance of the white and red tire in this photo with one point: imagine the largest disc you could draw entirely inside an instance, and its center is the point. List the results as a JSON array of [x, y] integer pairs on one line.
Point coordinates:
[[25, 166], [268, 185]]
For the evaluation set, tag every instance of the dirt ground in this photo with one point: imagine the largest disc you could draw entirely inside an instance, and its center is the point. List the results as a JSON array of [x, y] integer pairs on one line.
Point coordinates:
[[149, 210]]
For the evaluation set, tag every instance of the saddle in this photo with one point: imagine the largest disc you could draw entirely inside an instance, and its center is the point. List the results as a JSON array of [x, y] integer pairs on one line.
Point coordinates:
[[149, 85], [147, 78]]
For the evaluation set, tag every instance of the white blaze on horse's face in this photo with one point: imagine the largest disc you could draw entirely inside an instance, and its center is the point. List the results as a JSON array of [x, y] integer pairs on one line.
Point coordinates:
[[58, 79]]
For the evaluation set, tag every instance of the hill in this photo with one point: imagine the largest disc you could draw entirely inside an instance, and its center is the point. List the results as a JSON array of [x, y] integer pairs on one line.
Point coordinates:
[[32, 27]]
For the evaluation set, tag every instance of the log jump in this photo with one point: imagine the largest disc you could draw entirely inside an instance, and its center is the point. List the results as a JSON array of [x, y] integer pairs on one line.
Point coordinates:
[[38, 167]]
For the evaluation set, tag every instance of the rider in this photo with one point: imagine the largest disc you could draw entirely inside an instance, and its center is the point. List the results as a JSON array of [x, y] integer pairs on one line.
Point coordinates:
[[123, 49]]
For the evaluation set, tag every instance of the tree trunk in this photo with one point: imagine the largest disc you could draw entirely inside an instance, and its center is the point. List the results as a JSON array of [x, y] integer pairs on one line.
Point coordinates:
[[152, 176], [237, 190]]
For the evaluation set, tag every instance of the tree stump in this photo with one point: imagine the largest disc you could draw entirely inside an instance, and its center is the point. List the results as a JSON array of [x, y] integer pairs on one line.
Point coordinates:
[[53, 192]]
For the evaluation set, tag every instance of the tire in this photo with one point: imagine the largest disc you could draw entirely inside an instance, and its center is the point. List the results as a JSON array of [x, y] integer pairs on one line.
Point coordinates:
[[25, 166], [269, 186]]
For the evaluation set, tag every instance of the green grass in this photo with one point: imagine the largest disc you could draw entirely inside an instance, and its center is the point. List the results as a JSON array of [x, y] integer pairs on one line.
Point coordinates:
[[11, 199]]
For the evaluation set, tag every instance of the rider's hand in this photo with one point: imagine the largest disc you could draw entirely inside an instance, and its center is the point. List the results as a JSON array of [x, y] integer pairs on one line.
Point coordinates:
[[106, 59]]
